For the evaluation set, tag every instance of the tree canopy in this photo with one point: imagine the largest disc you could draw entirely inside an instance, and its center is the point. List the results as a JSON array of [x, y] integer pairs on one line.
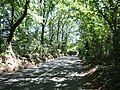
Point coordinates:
[[40, 28]]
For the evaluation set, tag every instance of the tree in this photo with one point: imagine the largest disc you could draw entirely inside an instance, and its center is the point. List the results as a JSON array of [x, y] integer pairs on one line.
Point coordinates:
[[17, 23], [10, 57]]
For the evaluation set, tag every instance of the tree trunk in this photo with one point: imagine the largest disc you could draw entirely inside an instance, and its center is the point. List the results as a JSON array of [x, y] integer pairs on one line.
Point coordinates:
[[14, 26], [42, 34], [58, 31], [10, 56]]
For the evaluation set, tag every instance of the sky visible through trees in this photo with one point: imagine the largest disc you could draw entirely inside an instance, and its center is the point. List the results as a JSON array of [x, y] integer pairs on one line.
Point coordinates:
[[37, 29]]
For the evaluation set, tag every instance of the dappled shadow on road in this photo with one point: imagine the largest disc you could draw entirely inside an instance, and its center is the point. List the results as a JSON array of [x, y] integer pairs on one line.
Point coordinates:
[[61, 74]]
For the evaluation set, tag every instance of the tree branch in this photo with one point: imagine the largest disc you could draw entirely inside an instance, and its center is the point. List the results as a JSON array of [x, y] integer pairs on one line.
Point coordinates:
[[14, 26]]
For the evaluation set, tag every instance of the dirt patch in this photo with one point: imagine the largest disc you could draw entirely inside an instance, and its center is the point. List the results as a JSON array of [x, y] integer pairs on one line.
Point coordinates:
[[91, 78], [11, 64]]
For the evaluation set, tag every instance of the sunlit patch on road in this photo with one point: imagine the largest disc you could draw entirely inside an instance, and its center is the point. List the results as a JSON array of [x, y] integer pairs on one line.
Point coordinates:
[[58, 79]]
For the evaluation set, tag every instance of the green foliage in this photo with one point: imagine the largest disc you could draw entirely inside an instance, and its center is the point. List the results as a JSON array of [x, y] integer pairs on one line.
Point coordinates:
[[54, 27], [98, 43]]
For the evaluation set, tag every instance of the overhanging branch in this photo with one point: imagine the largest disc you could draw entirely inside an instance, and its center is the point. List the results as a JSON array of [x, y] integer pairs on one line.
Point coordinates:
[[14, 26]]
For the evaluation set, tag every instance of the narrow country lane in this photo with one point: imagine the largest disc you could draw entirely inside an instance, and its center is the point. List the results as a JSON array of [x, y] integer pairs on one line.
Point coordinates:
[[60, 74]]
